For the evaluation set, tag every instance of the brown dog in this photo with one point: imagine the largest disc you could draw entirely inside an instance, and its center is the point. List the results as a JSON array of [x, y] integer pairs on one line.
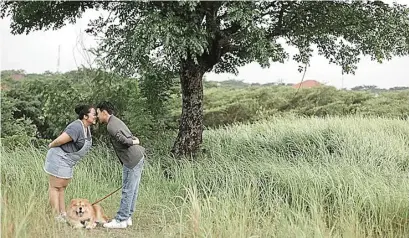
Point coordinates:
[[80, 211]]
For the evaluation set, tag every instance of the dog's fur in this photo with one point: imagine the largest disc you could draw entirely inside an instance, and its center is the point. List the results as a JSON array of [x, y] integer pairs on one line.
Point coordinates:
[[80, 211]]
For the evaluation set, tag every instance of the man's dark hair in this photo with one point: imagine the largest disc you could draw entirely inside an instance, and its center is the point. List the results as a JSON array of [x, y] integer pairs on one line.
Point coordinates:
[[107, 106]]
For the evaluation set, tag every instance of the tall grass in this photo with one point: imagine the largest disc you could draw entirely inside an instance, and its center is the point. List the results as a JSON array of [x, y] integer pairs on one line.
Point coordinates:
[[286, 177]]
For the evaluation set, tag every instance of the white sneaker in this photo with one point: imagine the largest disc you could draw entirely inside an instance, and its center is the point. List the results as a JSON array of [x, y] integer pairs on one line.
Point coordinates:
[[129, 221], [116, 224]]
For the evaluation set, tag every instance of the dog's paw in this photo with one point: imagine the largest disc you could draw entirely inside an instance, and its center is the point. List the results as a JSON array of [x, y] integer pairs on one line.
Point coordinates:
[[91, 226], [78, 226], [102, 222]]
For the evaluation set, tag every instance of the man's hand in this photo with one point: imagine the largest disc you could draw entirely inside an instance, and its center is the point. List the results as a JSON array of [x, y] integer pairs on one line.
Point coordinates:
[[135, 141]]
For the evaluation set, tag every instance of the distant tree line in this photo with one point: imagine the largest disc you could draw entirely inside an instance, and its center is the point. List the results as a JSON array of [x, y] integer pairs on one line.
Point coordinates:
[[39, 106]]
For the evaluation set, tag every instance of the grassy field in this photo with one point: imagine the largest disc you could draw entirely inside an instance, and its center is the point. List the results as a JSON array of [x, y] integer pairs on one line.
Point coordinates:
[[334, 177]]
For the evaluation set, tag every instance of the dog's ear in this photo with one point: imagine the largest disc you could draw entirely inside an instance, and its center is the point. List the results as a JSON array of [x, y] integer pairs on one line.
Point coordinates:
[[74, 202]]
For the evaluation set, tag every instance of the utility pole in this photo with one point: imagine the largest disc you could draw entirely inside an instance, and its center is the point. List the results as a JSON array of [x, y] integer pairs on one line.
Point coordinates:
[[58, 59]]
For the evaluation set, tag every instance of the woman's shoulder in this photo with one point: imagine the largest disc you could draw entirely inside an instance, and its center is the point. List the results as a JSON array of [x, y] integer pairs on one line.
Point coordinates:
[[75, 124]]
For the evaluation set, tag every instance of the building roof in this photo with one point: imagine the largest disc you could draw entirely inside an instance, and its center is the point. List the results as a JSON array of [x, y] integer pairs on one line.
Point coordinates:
[[17, 76], [307, 84]]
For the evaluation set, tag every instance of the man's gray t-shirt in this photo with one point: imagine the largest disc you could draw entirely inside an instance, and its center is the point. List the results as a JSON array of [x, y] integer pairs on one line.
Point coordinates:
[[76, 131]]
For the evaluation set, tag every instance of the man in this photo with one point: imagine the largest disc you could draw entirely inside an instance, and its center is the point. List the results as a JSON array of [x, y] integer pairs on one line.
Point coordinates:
[[131, 156]]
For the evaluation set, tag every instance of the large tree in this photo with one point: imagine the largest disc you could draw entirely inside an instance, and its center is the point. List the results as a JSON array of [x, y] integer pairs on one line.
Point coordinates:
[[192, 38]]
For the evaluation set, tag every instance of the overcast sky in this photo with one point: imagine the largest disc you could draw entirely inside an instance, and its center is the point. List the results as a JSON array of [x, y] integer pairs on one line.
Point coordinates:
[[38, 52]]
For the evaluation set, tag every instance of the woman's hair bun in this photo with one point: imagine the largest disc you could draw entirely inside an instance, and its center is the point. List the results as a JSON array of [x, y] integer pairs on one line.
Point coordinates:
[[82, 110], [79, 109]]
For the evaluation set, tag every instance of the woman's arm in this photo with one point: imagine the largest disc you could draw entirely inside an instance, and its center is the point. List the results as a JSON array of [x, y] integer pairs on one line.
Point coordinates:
[[62, 139]]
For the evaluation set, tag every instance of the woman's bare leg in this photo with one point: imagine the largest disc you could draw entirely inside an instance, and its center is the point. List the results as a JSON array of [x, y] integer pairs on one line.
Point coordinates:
[[61, 199], [53, 197], [56, 192]]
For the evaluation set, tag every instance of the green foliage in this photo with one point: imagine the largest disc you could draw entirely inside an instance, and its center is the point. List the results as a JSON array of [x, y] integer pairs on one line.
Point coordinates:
[[40, 106], [17, 127], [388, 104], [226, 105], [18, 141], [157, 86], [34, 96], [221, 36], [192, 38], [11, 123], [140, 102], [43, 15], [61, 98]]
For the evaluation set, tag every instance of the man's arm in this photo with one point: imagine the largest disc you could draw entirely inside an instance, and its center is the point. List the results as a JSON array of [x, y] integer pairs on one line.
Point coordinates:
[[121, 138]]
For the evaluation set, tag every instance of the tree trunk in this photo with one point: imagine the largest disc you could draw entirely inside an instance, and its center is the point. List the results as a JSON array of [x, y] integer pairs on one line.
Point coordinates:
[[189, 137]]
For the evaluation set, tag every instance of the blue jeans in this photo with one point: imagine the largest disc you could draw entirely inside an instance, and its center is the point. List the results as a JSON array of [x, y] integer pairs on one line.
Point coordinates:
[[130, 187]]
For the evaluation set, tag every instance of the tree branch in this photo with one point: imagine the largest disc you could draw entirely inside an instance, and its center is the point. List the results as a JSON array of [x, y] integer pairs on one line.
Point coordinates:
[[280, 30]]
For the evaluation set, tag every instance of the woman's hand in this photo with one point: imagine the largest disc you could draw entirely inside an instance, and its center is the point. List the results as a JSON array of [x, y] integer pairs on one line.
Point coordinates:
[[62, 139]]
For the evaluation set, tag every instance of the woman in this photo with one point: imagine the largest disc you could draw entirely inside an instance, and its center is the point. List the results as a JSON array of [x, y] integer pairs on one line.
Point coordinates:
[[64, 154]]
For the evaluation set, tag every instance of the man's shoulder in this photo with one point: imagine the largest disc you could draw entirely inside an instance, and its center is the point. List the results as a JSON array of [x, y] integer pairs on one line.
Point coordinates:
[[110, 124], [112, 120], [114, 123]]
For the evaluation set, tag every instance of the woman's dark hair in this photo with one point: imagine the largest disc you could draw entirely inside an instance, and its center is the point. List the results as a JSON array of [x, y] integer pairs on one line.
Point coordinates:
[[83, 110], [107, 106]]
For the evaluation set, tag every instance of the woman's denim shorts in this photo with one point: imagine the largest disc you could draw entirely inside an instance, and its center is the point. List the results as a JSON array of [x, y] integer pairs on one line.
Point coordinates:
[[58, 163]]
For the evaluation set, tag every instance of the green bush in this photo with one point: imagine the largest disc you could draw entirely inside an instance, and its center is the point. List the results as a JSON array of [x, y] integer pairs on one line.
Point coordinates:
[[41, 105], [11, 124]]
